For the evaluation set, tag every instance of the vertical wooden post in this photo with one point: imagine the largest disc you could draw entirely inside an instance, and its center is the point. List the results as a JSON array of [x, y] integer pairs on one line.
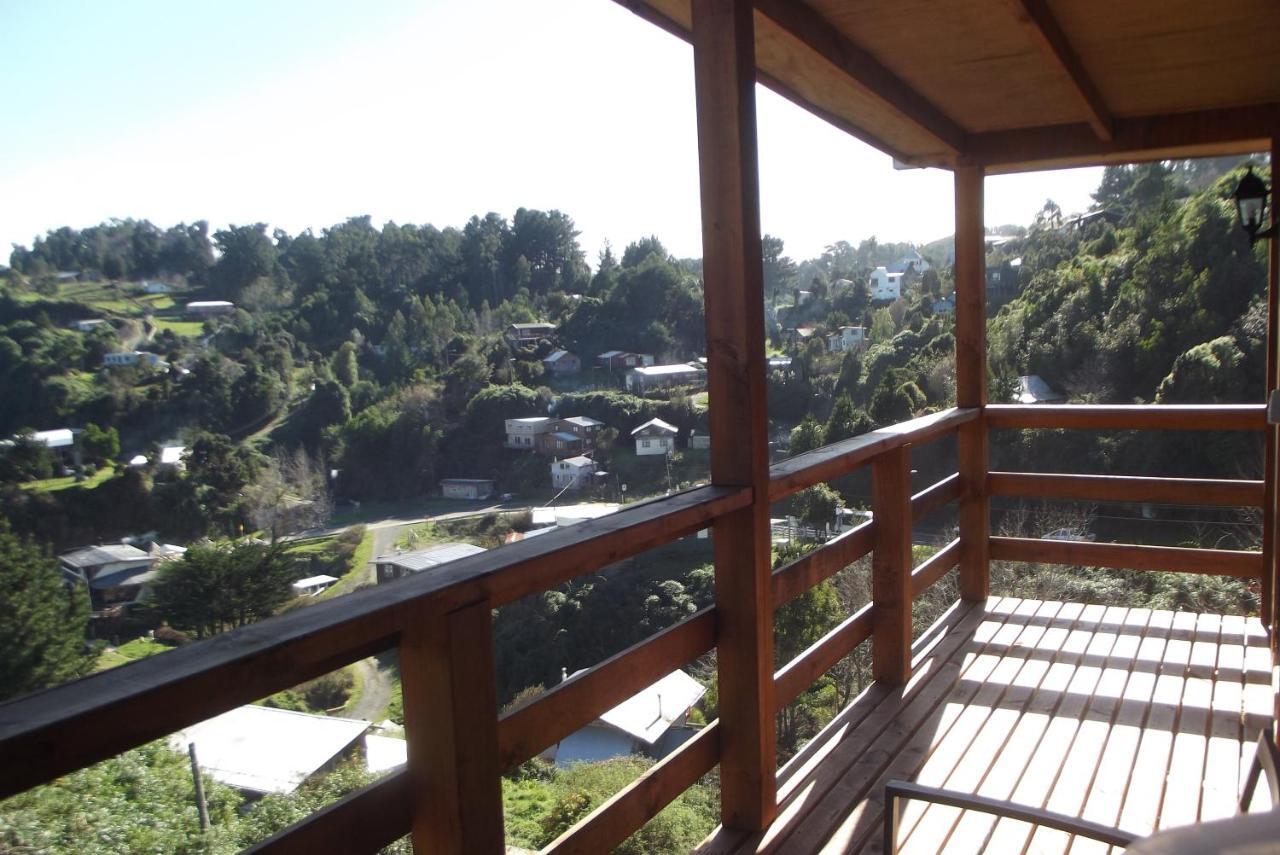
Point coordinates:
[[891, 567], [724, 73], [971, 382], [451, 722], [1267, 604]]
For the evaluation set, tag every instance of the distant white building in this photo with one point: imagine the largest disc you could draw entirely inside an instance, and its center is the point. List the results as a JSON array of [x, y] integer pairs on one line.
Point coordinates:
[[151, 286], [846, 339], [466, 488], [885, 285], [132, 357], [172, 457], [523, 433], [912, 261], [650, 722], [563, 362], [313, 585], [87, 325], [264, 750], [648, 377], [572, 472], [655, 437], [209, 308], [389, 567], [1032, 389]]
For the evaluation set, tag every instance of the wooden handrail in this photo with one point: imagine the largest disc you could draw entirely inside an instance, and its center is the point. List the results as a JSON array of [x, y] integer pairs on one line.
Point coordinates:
[[930, 571], [366, 820], [642, 799], [56, 731], [1217, 417], [1128, 556], [840, 458], [578, 701], [793, 579], [798, 674], [1125, 488]]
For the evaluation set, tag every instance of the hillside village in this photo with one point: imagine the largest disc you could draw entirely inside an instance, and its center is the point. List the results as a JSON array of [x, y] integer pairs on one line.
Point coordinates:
[[192, 413]]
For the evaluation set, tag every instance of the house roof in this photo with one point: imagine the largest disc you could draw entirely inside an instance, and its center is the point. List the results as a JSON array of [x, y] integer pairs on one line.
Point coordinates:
[[466, 480], [648, 714], [655, 426], [531, 420], [558, 355], [583, 421], [540, 325], [423, 559], [660, 370], [210, 304], [59, 438], [1015, 86], [96, 556], [610, 354], [565, 436], [1032, 389], [172, 454], [136, 575], [267, 750], [384, 753], [312, 581], [578, 461]]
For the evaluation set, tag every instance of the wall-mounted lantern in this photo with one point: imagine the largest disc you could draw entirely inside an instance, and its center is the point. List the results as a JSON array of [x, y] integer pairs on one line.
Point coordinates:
[[1251, 207]]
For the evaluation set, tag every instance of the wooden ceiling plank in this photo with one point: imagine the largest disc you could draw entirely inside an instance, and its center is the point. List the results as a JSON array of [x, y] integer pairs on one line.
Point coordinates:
[[864, 69], [1234, 130], [1045, 31]]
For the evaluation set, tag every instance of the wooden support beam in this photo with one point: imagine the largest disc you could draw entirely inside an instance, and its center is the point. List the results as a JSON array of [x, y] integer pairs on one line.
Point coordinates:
[[808, 27], [1129, 556], [724, 86], [971, 380], [938, 565], [891, 567], [1216, 417], [1267, 590], [1232, 130], [1124, 488], [1049, 37], [451, 724], [372, 817], [801, 672], [936, 496]]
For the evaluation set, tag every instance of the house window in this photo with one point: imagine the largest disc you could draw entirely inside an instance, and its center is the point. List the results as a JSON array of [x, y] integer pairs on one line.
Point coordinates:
[[644, 443]]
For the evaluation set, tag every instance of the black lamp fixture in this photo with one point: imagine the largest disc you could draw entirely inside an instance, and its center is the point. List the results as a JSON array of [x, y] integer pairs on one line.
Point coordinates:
[[1251, 207]]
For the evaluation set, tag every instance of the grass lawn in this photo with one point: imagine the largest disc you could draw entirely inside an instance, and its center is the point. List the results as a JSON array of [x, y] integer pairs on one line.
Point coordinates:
[[190, 329], [139, 648], [68, 482], [357, 572]]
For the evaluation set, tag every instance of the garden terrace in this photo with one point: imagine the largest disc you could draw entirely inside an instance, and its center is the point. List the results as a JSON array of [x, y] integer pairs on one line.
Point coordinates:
[[986, 88]]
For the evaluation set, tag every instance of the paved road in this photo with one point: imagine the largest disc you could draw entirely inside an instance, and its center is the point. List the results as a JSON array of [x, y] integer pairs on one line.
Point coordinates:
[[373, 701]]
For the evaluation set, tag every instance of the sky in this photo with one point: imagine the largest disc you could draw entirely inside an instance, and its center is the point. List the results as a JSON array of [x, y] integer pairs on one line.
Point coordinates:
[[302, 114]]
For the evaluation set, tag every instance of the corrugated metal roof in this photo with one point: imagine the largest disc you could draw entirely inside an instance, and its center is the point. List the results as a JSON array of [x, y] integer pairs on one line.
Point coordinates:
[[111, 553], [424, 559], [648, 714], [657, 425]]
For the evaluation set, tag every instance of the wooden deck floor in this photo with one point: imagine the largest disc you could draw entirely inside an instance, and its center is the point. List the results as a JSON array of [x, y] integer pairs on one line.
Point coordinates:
[[1132, 717]]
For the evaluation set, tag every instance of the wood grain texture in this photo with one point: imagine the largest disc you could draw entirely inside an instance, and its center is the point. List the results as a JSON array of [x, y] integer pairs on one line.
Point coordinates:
[[56, 731], [578, 701], [820, 36], [1123, 488], [1045, 31], [793, 579], [800, 673], [450, 724], [367, 820], [641, 800], [891, 568], [1216, 417], [1271, 571], [728, 170], [840, 458], [936, 496], [1128, 556], [934, 568]]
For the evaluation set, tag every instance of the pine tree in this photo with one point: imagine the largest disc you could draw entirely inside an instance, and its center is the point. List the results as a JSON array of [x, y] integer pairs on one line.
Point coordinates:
[[42, 624]]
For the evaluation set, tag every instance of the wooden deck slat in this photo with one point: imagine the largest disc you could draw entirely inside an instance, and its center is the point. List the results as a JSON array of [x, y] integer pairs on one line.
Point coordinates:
[[1116, 770], [1125, 716], [829, 761], [944, 764], [1084, 754]]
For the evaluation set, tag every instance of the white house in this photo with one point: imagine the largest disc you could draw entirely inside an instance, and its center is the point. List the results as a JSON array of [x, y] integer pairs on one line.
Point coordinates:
[[885, 285], [655, 437], [846, 339], [523, 433], [133, 357], [313, 585], [651, 722], [658, 376], [572, 472], [909, 262]]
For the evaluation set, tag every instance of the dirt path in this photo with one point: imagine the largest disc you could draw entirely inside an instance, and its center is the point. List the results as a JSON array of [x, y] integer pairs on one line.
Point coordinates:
[[372, 705]]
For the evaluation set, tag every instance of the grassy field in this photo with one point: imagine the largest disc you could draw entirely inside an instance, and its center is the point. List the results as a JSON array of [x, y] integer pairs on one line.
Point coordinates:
[[139, 648], [68, 482]]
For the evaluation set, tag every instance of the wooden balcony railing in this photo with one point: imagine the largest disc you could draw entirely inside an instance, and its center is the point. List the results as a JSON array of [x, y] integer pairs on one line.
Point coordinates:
[[449, 794]]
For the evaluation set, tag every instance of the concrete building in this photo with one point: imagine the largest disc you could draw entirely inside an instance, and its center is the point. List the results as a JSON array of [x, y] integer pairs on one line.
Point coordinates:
[[466, 488]]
